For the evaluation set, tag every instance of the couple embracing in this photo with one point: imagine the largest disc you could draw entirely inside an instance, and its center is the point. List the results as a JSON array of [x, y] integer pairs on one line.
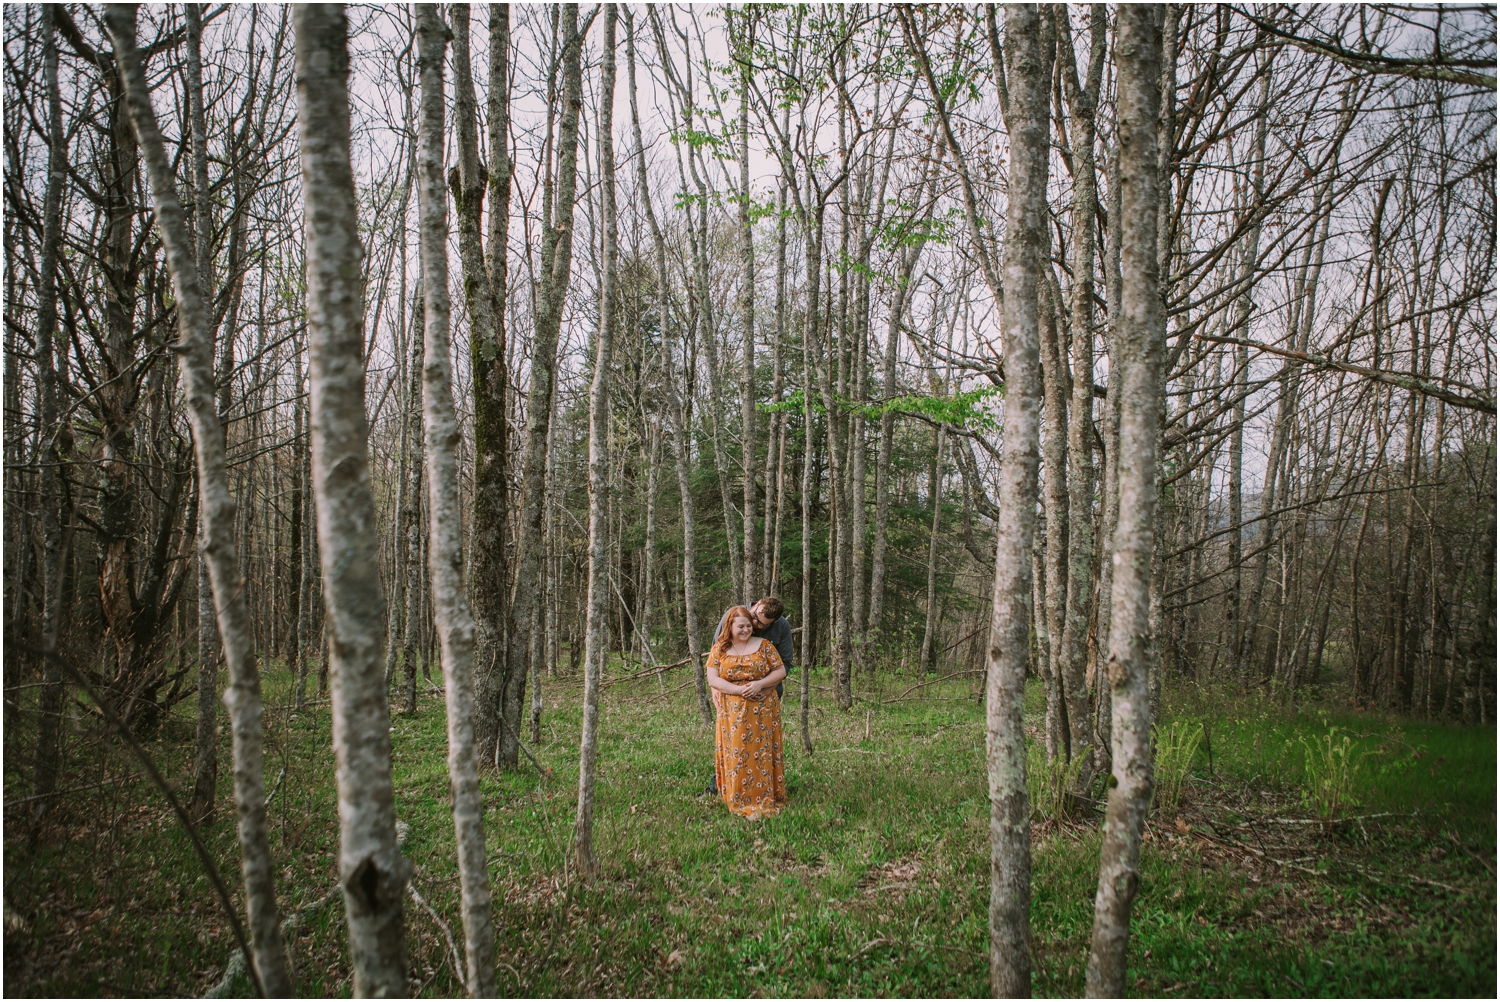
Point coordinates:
[[746, 666]]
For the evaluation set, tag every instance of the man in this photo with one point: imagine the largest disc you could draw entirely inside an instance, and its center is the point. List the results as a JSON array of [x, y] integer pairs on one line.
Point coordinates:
[[772, 625], [768, 621]]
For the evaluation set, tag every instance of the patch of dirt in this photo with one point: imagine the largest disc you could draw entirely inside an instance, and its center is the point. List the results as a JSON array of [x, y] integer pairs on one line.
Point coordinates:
[[898, 875]]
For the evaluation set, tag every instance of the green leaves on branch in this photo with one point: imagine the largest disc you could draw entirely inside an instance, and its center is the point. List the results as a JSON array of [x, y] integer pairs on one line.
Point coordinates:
[[911, 230], [965, 410]]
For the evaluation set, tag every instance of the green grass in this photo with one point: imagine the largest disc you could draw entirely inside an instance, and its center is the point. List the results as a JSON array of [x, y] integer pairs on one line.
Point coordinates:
[[873, 881]]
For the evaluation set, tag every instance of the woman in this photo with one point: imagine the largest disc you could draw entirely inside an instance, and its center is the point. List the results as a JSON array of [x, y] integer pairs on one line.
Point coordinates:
[[748, 765]]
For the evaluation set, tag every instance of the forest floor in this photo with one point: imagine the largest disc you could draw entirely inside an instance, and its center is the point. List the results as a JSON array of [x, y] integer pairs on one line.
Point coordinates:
[[873, 881]]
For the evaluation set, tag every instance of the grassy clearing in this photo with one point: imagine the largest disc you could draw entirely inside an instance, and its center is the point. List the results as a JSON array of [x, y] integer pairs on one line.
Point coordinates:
[[872, 882]]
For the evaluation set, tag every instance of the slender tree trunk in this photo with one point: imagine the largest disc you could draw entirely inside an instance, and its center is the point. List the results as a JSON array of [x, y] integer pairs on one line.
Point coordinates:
[[484, 296], [1056, 717], [400, 572], [648, 555], [295, 533], [889, 386], [748, 432], [413, 646], [1140, 346], [557, 259], [195, 358], [455, 624], [50, 706], [1083, 102], [1248, 613], [1028, 73], [1052, 613], [1110, 498], [809, 649], [305, 571], [206, 757], [372, 871], [677, 407], [596, 651], [935, 492]]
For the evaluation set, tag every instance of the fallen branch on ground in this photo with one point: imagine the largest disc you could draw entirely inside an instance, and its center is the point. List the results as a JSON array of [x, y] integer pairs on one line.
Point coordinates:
[[9, 804], [458, 964], [237, 968], [521, 745], [935, 681], [1335, 821], [646, 674]]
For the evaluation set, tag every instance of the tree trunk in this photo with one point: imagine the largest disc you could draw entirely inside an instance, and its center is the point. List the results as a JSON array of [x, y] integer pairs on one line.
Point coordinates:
[[889, 385], [1110, 497], [557, 260], [483, 294], [1248, 616], [596, 652], [455, 624], [414, 647], [206, 756], [934, 493], [648, 555], [305, 571], [1028, 73], [751, 586], [1140, 347], [50, 705], [372, 871], [1083, 103], [195, 359], [1052, 613]]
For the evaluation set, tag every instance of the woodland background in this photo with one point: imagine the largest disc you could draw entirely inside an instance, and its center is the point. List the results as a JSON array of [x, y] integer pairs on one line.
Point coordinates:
[[789, 212]]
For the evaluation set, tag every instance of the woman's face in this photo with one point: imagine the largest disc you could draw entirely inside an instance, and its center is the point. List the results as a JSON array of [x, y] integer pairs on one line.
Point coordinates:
[[742, 629]]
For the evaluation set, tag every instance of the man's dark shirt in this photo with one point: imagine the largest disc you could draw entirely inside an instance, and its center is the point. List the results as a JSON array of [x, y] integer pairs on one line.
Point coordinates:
[[779, 634]]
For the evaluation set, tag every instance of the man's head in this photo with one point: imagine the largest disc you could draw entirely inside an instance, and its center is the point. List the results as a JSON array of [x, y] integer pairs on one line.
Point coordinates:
[[766, 611]]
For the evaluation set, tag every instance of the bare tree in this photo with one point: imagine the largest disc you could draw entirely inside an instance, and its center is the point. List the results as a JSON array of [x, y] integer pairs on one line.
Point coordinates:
[[556, 264], [372, 871], [1028, 72], [196, 363], [1139, 350], [596, 649], [455, 624], [45, 775]]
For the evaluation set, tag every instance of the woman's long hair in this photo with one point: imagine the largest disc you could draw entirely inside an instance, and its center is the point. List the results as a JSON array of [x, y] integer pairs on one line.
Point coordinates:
[[726, 635]]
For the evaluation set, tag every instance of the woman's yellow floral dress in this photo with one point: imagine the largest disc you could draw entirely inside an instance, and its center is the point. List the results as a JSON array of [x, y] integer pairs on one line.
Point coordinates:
[[748, 760]]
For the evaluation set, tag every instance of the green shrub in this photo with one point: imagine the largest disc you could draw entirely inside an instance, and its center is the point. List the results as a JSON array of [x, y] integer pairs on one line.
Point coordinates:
[[1330, 769], [1049, 785], [1175, 748]]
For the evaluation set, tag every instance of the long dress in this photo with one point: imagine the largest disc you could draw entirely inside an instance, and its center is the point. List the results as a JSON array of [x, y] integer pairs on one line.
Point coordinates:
[[749, 764]]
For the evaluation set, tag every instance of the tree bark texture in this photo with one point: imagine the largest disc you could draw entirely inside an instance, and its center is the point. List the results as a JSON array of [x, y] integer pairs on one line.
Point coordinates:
[[206, 758], [484, 295], [455, 623], [1028, 73], [1052, 611], [1083, 104], [556, 264], [1139, 351], [44, 779], [195, 360], [372, 872], [596, 647]]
